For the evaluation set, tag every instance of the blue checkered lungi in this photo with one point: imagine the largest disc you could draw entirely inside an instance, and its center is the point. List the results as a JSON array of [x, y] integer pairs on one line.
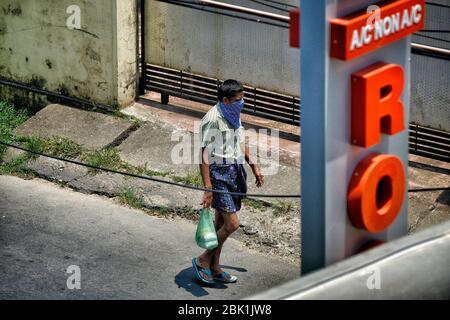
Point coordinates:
[[228, 177]]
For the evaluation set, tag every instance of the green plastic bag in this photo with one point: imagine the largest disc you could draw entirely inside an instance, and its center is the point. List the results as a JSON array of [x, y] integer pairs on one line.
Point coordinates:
[[206, 236]]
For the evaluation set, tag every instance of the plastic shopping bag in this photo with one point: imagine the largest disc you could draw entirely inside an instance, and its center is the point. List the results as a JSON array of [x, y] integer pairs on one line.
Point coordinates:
[[206, 236]]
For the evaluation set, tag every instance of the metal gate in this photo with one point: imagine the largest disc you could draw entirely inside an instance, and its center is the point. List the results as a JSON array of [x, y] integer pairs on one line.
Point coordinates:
[[258, 102]]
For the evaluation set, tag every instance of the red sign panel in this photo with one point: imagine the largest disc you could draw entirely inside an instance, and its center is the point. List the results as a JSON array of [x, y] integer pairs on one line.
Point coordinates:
[[362, 32], [294, 28]]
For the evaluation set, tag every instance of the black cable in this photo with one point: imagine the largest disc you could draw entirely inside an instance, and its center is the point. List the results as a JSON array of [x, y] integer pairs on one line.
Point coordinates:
[[437, 5], [432, 38], [196, 6], [183, 185], [149, 178], [270, 6], [428, 189], [435, 31]]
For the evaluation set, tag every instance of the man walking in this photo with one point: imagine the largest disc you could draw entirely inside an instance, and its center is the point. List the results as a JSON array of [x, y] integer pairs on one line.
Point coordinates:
[[222, 169]]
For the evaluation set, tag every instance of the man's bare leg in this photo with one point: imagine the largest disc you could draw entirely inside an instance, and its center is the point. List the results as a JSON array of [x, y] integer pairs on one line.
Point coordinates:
[[215, 261], [230, 224]]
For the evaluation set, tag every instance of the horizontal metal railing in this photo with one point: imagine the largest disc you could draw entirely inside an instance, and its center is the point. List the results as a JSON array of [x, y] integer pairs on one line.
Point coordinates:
[[423, 141], [429, 142], [258, 102]]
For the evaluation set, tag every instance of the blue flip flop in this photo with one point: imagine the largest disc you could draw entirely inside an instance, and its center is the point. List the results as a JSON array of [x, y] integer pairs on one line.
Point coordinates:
[[223, 278], [198, 268]]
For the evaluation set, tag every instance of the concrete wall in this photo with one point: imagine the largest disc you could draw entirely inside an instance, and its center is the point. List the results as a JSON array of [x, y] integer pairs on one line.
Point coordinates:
[[430, 79], [222, 47], [259, 55], [430, 92], [97, 62]]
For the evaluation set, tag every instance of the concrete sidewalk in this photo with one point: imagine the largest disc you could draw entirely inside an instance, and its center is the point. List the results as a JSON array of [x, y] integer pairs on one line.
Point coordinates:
[[272, 228]]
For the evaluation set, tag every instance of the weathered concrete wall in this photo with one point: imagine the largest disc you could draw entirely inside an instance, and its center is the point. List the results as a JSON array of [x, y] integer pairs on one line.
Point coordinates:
[[223, 47], [97, 62], [430, 92], [125, 42], [430, 78]]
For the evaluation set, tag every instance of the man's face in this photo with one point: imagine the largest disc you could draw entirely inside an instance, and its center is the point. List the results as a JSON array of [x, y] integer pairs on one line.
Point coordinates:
[[237, 97]]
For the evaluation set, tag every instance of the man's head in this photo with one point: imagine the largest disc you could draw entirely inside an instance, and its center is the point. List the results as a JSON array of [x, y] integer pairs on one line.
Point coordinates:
[[230, 91]]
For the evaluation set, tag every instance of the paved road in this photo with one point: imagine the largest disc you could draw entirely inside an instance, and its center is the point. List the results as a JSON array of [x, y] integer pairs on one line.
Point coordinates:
[[122, 253]]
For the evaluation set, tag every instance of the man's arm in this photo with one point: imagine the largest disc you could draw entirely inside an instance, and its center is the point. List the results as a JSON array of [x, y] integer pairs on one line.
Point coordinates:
[[204, 171], [255, 168]]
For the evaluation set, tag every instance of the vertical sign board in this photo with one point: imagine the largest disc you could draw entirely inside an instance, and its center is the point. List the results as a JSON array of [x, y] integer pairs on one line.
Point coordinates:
[[355, 72]]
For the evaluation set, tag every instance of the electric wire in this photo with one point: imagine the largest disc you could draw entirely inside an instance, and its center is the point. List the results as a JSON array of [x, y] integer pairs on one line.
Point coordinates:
[[180, 184], [148, 177], [437, 5], [432, 38]]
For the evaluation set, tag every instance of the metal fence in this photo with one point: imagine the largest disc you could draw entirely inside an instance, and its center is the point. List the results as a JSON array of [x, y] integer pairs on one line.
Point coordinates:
[[431, 94], [258, 102]]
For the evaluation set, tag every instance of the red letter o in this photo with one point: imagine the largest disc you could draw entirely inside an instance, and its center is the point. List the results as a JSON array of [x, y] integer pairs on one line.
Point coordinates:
[[376, 191]]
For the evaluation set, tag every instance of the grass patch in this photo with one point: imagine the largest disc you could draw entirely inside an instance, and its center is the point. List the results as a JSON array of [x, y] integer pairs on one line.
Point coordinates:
[[106, 158], [10, 118], [55, 146], [109, 158], [128, 197], [62, 184], [192, 178], [282, 207], [162, 210], [62, 147], [142, 170], [133, 119], [18, 167], [34, 144], [187, 213], [253, 203], [279, 207]]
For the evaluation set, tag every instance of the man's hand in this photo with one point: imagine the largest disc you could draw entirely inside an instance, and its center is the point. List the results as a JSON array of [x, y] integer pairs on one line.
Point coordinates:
[[207, 199], [258, 175]]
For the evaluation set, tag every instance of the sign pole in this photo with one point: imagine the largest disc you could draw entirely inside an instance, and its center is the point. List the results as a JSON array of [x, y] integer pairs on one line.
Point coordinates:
[[354, 167], [313, 86]]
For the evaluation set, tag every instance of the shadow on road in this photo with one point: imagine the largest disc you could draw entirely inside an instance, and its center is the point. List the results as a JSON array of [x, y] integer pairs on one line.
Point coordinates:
[[187, 279], [429, 167], [444, 198]]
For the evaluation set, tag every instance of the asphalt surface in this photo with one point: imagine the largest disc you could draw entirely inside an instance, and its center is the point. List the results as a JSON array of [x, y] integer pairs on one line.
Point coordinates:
[[121, 253]]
